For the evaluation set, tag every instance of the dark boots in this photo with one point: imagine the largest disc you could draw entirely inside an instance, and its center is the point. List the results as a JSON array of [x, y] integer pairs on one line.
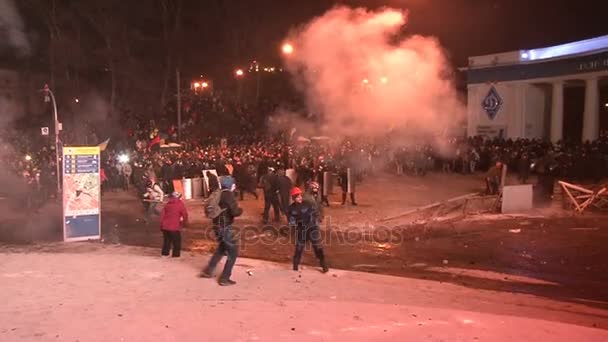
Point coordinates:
[[323, 265], [352, 198]]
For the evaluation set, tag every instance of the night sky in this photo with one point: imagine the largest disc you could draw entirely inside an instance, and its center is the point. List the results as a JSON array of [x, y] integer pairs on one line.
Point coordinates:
[[464, 27]]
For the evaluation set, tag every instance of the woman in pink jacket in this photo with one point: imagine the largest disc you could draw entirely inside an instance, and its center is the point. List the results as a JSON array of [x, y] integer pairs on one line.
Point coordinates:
[[173, 217]]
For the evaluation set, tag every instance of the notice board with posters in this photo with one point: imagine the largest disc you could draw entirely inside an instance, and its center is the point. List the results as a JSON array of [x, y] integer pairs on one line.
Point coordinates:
[[81, 193]]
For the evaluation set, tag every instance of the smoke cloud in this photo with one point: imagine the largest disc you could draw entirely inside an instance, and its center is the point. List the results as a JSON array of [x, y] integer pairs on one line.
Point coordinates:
[[365, 78], [12, 29]]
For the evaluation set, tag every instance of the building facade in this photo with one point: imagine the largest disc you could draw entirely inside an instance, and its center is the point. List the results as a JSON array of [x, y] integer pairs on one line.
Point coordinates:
[[533, 93]]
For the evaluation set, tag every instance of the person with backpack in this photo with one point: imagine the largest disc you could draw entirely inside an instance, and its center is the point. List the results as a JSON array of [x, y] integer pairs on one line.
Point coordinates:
[[222, 208], [173, 217]]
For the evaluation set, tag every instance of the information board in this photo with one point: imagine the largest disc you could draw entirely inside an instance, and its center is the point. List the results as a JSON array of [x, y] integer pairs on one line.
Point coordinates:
[[81, 193]]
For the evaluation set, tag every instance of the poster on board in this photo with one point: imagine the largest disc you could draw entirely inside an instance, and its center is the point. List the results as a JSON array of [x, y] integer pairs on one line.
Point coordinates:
[[81, 194]]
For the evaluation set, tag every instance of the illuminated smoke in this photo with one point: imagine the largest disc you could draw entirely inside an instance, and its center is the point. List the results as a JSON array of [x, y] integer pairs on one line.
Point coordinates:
[[356, 68], [12, 29]]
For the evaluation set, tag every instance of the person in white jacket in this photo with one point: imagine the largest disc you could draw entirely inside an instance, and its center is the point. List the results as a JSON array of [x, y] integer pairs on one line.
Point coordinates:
[[154, 195], [127, 171]]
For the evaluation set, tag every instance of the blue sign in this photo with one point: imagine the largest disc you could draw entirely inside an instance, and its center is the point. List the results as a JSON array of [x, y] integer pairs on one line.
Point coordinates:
[[492, 103], [81, 193]]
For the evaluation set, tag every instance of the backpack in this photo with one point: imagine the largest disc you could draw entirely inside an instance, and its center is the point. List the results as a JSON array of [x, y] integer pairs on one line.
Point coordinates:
[[212, 205]]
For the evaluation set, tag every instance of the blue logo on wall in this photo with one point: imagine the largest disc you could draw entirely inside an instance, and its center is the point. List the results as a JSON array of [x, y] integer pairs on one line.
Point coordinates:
[[492, 103]]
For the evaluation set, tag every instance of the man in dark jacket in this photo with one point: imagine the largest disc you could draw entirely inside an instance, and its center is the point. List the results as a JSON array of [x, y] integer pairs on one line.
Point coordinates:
[[173, 217], [493, 179], [269, 183], [523, 168], [244, 182], [168, 175], [223, 229], [344, 180], [312, 195], [305, 219], [285, 186]]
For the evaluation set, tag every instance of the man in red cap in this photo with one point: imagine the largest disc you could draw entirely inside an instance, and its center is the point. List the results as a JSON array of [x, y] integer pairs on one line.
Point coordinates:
[[305, 218]]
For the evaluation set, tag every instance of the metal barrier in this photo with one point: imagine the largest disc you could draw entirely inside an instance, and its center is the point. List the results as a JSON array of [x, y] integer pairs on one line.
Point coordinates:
[[197, 187], [187, 186]]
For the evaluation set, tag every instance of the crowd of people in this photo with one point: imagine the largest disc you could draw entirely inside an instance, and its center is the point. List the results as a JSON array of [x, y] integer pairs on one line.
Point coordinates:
[[232, 148], [219, 133]]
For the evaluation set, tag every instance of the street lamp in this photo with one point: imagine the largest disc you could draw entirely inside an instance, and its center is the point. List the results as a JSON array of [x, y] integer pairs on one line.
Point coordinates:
[[239, 73], [287, 49], [49, 97], [384, 80]]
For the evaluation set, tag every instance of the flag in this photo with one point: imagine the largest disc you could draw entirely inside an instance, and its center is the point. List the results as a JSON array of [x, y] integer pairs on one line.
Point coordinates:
[[104, 145], [153, 142]]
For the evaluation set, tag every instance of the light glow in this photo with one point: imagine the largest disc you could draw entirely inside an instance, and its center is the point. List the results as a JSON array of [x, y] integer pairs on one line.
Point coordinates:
[[563, 50], [123, 158], [287, 48]]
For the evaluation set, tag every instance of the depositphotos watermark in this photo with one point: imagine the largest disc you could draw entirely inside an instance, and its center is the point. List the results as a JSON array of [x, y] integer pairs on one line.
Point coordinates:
[[326, 233]]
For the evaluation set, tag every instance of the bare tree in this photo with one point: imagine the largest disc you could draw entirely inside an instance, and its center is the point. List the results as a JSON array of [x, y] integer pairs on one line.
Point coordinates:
[[106, 18], [171, 13]]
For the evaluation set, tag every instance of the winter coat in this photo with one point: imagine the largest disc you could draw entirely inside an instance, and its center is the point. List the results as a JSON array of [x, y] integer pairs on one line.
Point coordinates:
[[173, 216], [127, 170], [303, 215], [270, 184], [214, 183], [155, 193], [315, 200], [285, 185], [228, 202], [102, 175]]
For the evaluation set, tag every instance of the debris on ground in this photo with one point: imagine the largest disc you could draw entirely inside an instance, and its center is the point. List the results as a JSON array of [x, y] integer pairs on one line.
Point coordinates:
[[526, 255], [449, 210]]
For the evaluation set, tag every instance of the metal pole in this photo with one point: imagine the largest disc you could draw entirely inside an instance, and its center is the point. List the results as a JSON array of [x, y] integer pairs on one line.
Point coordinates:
[[56, 141], [179, 106], [257, 93]]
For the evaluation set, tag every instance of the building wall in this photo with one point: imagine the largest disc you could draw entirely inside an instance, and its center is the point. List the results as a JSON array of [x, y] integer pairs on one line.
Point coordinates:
[[521, 113], [535, 111]]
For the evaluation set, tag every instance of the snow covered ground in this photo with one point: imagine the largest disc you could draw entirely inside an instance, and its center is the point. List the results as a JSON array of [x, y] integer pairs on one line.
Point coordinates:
[[94, 292]]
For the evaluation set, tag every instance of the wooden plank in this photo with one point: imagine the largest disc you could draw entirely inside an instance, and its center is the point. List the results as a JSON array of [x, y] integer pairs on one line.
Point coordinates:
[[430, 206]]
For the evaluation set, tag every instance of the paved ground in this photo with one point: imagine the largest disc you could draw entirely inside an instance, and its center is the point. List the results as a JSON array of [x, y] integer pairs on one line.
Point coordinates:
[[97, 292], [545, 265]]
